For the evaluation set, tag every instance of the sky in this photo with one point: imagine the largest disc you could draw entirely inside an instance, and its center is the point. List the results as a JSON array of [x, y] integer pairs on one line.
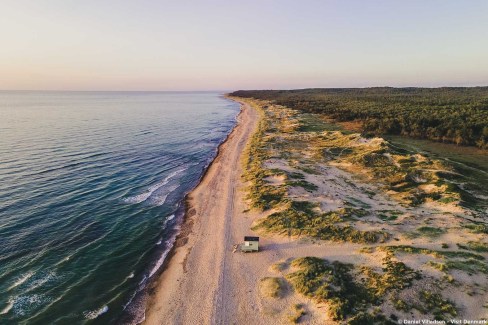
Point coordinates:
[[252, 44]]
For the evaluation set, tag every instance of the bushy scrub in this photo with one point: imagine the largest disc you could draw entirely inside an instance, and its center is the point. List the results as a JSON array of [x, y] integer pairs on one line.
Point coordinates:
[[349, 294], [299, 219]]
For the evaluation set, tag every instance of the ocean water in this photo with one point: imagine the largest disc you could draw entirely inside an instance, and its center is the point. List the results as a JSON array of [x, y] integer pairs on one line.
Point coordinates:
[[91, 189]]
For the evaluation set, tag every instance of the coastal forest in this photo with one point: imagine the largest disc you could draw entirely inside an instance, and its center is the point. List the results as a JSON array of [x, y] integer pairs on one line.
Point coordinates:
[[451, 114]]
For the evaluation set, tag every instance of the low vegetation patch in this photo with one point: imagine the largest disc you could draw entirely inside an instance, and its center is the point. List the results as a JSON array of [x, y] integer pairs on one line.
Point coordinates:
[[350, 293], [477, 228], [452, 260], [476, 246], [271, 287], [297, 312], [470, 266], [330, 283], [262, 195], [299, 219], [433, 303], [279, 267], [310, 187], [396, 276], [431, 252], [426, 231]]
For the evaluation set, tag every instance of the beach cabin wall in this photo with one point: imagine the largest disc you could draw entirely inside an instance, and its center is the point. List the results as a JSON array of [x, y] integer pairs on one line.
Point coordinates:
[[251, 243]]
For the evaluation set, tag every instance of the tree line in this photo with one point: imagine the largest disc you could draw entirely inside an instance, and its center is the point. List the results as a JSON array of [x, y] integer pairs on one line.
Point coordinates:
[[451, 114]]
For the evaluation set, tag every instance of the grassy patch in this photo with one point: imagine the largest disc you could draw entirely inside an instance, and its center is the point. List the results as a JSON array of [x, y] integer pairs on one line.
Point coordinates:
[[364, 318], [434, 303], [329, 282], [476, 246], [279, 267], [470, 266], [396, 275], [347, 294], [386, 217], [477, 228], [310, 187], [299, 219], [308, 170], [262, 195], [297, 312], [271, 287], [426, 231], [357, 203], [431, 252], [455, 260], [295, 175]]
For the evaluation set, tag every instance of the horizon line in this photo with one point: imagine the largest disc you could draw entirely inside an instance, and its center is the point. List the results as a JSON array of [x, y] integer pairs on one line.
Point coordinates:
[[232, 90]]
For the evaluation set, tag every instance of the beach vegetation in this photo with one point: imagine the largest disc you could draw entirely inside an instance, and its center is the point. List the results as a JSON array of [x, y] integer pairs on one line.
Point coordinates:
[[477, 228], [434, 253], [426, 231], [279, 267], [298, 311], [300, 219], [350, 292], [272, 287], [476, 246], [436, 305], [310, 187]]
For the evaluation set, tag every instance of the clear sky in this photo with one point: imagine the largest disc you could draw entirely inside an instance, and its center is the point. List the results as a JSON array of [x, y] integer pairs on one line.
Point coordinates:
[[251, 44]]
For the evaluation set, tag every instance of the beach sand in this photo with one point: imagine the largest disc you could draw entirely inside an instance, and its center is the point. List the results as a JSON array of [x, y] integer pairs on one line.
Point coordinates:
[[196, 286]]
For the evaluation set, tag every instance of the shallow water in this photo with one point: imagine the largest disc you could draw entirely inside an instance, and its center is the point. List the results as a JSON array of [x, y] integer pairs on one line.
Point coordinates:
[[90, 183]]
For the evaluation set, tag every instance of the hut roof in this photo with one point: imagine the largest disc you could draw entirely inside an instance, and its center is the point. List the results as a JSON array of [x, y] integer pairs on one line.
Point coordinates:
[[250, 238]]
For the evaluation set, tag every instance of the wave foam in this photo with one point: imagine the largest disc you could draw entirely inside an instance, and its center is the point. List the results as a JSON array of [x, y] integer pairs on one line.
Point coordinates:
[[23, 305], [144, 196], [95, 313], [161, 259], [21, 280], [160, 199], [9, 306], [46, 278]]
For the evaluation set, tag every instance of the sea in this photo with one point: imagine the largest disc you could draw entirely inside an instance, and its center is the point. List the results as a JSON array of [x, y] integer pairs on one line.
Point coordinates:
[[92, 186]]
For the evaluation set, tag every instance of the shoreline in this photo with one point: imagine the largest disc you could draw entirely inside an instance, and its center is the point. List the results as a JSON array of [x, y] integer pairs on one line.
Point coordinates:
[[180, 232], [163, 286]]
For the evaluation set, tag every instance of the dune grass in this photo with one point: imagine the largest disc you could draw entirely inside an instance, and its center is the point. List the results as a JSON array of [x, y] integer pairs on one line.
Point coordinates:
[[299, 219], [350, 292], [297, 312], [271, 287]]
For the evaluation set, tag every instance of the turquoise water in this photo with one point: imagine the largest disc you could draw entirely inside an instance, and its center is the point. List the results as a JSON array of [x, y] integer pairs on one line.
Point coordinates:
[[91, 185]]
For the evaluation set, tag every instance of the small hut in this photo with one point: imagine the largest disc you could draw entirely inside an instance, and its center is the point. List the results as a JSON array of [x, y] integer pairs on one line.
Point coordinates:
[[251, 244]]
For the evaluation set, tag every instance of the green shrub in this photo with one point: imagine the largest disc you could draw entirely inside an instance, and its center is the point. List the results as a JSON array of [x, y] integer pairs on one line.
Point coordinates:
[[435, 304], [431, 231], [477, 228], [300, 219], [476, 246], [346, 295]]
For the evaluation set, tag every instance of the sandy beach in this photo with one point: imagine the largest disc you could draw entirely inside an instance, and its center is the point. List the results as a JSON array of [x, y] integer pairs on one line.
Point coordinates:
[[197, 285]]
